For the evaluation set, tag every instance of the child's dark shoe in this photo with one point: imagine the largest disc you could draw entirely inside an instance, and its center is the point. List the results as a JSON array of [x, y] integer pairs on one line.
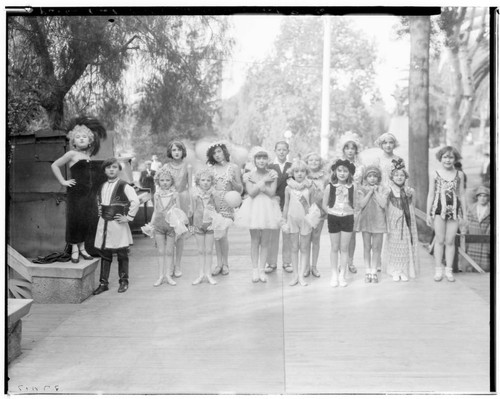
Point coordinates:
[[85, 255], [100, 289], [374, 278], [368, 278], [123, 286]]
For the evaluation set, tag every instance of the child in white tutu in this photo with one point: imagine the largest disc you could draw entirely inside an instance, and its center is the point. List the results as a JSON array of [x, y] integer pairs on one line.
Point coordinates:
[[259, 212], [203, 216], [298, 200], [167, 224]]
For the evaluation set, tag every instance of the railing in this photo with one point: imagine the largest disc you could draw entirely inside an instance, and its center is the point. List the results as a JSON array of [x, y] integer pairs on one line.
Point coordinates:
[[460, 244], [19, 278]]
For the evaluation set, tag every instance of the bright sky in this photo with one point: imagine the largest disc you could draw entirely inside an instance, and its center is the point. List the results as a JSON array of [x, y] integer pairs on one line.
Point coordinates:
[[255, 37]]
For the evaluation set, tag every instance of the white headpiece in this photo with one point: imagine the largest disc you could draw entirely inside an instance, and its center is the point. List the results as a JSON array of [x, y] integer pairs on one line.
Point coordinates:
[[348, 137], [386, 136], [256, 150]]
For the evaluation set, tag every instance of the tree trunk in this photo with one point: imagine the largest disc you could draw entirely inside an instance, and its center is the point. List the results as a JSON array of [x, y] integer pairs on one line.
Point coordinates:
[[454, 99], [418, 112]]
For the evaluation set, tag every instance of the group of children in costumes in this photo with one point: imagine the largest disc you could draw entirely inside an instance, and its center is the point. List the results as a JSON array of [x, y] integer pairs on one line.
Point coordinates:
[[291, 200]]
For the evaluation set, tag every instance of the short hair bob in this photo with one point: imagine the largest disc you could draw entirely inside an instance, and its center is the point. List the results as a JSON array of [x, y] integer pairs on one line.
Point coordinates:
[[179, 144], [109, 162], [448, 148]]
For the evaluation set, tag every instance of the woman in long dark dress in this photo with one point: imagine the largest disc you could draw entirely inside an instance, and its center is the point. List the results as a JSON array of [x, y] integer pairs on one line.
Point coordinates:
[[84, 136]]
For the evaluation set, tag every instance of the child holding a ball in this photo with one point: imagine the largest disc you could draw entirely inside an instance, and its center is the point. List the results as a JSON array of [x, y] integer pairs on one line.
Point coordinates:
[[259, 212], [227, 178]]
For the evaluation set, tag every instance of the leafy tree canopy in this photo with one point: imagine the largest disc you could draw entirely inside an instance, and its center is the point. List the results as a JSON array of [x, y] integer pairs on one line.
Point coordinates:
[[76, 64], [284, 92]]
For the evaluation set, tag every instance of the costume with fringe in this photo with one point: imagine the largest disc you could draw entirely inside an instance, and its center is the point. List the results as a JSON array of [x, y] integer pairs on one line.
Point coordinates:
[[224, 184], [401, 252]]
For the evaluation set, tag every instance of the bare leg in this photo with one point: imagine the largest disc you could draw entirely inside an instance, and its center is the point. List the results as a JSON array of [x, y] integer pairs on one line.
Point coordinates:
[[266, 238], [224, 245], [209, 246], [179, 249], [294, 241], [305, 246], [75, 254], [162, 271], [218, 252], [377, 239], [345, 239], [272, 250], [451, 232], [255, 236], [81, 248], [200, 243], [367, 249], [352, 247], [169, 259], [286, 251], [439, 231], [334, 252]]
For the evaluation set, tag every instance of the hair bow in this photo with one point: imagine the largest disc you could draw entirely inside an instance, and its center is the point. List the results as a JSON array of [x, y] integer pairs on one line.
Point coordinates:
[[398, 164]]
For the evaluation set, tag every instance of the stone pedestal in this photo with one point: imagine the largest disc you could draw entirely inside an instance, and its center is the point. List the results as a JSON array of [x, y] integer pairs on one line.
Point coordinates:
[[17, 309], [63, 282]]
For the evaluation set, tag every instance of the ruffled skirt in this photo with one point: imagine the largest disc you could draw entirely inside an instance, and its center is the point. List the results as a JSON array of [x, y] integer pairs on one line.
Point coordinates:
[[260, 212]]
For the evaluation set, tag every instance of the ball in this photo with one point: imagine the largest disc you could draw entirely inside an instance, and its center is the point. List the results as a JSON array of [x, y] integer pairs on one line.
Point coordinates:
[[233, 199]]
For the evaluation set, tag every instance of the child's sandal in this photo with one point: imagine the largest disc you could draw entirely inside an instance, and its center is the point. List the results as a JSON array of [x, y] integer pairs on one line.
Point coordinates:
[[217, 270], [225, 270]]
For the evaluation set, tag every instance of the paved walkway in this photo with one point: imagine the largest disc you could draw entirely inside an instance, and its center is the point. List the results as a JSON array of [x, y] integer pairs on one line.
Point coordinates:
[[240, 337]]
